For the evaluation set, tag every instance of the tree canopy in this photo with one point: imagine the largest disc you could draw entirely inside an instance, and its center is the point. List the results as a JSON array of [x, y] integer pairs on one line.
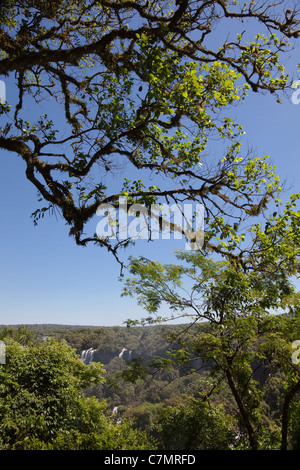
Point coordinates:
[[239, 339], [42, 401], [122, 100], [143, 90]]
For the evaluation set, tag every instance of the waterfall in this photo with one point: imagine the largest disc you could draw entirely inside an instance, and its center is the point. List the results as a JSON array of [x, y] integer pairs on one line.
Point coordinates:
[[125, 354], [115, 413], [122, 352], [88, 355]]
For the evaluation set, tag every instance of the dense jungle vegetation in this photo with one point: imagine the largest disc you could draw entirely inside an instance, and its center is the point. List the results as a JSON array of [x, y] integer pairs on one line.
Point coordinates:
[[138, 100], [51, 400]]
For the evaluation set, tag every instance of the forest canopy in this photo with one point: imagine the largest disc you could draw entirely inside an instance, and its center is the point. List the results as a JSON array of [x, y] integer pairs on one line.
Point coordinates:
[[117, 100], [144, 89]]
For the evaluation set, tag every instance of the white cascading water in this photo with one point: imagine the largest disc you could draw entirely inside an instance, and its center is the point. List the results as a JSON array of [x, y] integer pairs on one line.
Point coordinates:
[[88, 355], [122, 352]]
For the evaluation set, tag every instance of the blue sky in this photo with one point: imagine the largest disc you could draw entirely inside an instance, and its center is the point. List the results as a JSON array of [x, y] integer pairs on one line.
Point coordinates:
[[46, 278]]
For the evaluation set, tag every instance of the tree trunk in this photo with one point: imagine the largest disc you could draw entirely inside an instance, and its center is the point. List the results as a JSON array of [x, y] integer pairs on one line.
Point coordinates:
[[243, 411], [285, 415]]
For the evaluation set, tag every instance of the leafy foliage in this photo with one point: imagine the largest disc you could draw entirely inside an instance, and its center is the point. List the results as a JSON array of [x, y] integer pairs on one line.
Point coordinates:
[[240, 335], [192, 424], [142, 93], [42, 405]]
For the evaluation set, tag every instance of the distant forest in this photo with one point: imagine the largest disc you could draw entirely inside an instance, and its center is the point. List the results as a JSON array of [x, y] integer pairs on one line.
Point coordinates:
[[162, 399], [138, 400]]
